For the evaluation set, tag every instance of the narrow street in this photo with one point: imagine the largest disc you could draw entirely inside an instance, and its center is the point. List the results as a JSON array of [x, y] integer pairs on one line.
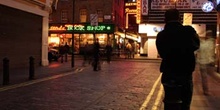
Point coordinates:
[[120, 85]]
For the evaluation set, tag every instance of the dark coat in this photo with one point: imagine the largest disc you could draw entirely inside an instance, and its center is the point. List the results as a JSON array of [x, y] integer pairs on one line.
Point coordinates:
[[176, 45], [96, 49]]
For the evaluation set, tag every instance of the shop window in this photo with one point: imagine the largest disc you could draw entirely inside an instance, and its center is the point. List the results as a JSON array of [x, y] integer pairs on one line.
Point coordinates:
[[100, 15], [83, 15], [64, 16]]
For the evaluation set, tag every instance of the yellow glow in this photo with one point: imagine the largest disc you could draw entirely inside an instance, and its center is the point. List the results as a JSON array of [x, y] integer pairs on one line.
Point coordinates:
[[55, 40], [126, 25], [138, 18]]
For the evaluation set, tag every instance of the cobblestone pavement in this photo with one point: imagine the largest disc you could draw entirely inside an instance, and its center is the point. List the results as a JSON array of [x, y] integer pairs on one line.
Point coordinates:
[[125, 84], [120, 85]]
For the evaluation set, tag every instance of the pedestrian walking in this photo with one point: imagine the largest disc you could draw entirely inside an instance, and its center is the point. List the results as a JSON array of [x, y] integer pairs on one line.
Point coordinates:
[[128, 50], [206, 59], [108, 50], [176, 45], [96, 55], [66, 50], [85, 53]]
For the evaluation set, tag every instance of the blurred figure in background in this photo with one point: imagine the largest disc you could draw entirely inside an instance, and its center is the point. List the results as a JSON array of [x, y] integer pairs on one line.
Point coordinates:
[[85, 54], [108, 49], [128, 50], [66, 51], [96, 55], [206, 59]]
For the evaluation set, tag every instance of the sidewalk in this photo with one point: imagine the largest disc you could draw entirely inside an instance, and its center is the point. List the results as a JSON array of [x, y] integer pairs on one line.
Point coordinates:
[[202, 102], [22, 75]]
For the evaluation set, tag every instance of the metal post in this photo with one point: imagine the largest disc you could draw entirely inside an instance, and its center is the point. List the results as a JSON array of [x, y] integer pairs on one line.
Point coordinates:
[[31, 68], [73, 61], [72, 56], [5, 71]]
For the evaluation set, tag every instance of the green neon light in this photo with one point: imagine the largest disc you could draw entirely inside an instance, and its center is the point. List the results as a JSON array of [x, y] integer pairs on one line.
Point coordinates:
[[84, 28]]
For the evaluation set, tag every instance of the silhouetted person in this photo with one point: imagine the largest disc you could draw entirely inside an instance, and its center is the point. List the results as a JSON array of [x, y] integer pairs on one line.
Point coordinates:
[[128, 50], [108, 49], [85, 53], [96, 55], [176, 45], [66, 50]]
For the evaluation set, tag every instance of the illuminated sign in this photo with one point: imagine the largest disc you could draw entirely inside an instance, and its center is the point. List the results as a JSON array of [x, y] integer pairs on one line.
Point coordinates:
[[138, 18], [179, 4], [187, 18], [207, 6], [127, 10], [82, 28], [131, 4]]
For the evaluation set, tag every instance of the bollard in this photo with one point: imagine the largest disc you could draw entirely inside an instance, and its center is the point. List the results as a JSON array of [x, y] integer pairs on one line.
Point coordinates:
[[172, 99], [31, 68], [5, 71]]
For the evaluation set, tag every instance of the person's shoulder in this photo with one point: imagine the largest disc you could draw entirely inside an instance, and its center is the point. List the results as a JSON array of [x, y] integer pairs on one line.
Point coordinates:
[[160, 34], [189, 28]]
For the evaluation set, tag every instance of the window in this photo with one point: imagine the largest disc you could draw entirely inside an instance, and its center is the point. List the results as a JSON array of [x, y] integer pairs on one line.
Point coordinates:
[[83, 13], [50, 18], [100, 15], [64, 16]]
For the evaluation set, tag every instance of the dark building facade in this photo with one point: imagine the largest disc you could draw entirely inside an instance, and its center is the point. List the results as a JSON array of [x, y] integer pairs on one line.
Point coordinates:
[[23, 28]]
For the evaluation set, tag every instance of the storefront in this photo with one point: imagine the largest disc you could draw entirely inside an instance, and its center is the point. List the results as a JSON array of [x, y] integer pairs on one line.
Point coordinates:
[[148, 46], [82, 33]]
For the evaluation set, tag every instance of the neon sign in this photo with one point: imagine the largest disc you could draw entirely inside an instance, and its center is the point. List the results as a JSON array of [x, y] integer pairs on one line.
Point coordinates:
[[66, 27], [131, 4], [82, 28], [138, 18]]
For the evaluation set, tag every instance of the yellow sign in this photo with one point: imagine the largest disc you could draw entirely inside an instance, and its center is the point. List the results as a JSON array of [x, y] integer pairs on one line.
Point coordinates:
[[187, 18], [138, 14]]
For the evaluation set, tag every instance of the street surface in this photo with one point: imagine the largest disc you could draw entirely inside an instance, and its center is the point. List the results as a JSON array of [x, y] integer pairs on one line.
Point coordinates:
[[120, 85]]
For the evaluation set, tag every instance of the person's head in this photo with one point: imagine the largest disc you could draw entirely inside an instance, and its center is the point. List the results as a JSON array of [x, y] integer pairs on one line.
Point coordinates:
[[97, 39], [172, 15]]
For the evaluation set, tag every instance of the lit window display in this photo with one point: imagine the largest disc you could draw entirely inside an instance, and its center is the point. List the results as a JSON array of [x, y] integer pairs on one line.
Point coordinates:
[[60, 34]]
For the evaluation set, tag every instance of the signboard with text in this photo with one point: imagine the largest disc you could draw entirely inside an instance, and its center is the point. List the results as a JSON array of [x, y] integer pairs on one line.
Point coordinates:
[[82, 28], [179, 4], [138, 12], [144, 7], [187, 18], [94, 19]]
